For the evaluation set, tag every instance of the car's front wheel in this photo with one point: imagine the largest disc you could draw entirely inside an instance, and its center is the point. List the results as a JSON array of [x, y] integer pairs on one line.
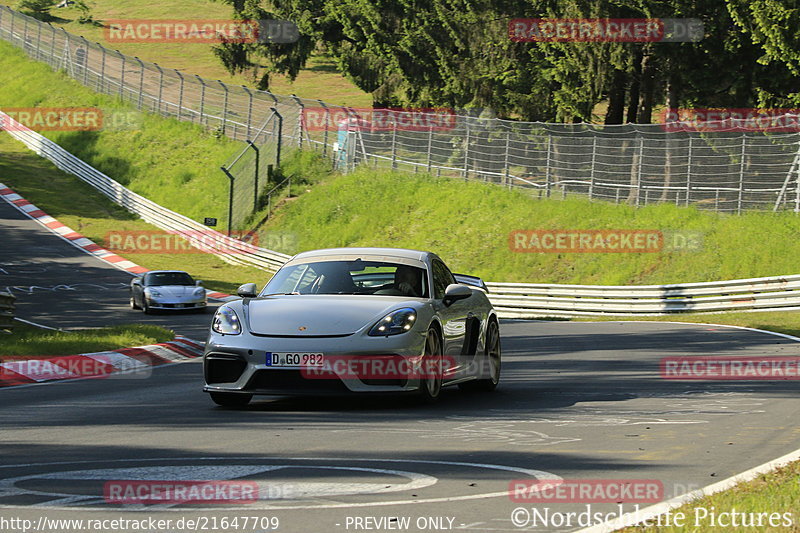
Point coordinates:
[[230, 399], [430, 384], [133, 303], [490, 366]]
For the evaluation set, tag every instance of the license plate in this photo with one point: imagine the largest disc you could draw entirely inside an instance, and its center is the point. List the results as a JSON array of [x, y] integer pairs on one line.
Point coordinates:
[[284, 359]]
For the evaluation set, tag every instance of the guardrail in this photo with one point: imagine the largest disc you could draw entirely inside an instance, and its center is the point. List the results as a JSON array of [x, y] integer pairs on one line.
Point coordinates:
[[198, 235], [528, 300], [511, 300], [6, 311]]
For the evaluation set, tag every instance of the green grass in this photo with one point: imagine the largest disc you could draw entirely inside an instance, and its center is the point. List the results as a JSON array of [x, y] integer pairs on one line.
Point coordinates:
[[170, 162], [31, 341], [468, 224], [85, 210], [320, 79], [776, 492]]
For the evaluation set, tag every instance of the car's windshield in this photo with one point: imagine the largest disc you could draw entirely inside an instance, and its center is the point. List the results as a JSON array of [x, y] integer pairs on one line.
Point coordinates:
[[350, 277], [154, 279]]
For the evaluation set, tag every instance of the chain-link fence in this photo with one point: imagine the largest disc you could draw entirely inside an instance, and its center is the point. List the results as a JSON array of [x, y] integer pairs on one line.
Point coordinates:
[[639, 164]]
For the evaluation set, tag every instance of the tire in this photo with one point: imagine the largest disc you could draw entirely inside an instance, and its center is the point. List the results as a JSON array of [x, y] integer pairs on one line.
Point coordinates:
[[133, 303], [231, 399], [492, 359], [146, 308], [431, 386]]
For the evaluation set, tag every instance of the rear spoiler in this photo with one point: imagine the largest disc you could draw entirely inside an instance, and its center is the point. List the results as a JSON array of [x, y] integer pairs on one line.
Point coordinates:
[[473, 281]]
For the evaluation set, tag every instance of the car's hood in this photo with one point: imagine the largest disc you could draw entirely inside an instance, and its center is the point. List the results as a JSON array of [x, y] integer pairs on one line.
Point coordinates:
[[305, 315], [175, 291]]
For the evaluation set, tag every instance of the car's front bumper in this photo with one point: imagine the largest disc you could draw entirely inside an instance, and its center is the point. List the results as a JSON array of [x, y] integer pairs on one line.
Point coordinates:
[[176, 305], [237, 363]]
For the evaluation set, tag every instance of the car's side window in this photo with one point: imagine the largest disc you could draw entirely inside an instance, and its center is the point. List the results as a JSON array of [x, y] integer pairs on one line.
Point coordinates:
[[442, 277]]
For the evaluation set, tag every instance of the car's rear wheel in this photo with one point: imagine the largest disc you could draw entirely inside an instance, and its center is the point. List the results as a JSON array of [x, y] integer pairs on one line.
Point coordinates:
[[490, 364], [230, 399], [430, 384]]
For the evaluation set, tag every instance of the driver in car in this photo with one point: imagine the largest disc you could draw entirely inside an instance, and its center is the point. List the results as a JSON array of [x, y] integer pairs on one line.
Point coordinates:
[[406, 280]]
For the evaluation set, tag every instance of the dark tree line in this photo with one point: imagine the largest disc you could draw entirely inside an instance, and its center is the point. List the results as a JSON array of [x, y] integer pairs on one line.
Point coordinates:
[[457, 53]]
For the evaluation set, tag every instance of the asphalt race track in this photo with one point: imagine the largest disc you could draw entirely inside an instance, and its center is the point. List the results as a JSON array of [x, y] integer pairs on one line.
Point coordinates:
[[577, 401], [58, 285]]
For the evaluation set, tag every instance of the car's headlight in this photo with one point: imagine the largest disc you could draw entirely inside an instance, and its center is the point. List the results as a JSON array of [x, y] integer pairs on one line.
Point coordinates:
[[394, 323], [152, 293], [199, 292], [226, 322]]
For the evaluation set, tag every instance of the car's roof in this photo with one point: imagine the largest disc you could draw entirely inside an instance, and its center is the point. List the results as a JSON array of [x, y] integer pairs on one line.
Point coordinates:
[[404, 253], [167, 272]]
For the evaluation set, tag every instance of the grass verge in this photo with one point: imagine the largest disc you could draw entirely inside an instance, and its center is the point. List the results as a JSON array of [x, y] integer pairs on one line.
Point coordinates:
[[32, 341], [170, 162], [773, 494], [320, 79], [85, 210]]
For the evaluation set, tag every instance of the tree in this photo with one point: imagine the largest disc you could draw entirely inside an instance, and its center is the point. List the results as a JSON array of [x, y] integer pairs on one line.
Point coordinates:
[[39, 9]]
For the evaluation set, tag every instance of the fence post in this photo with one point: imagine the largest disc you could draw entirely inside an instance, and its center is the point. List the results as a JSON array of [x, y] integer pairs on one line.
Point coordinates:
[[122, 73], [741, 177], [325, 133], [547, 167], [506, 178], [639, 171], [202, 97], [394, 141], [225, 108], [466, 152], [160, 87], [255, 174], [230, 198], [797, 190], [102, 81], [689, 172], [85, 62], [430, 148], [11, 30], [141, 83], [299, 121], [591, 170], [180, 93], [39, 42], [249, 109], [53, 54], [280, 136]]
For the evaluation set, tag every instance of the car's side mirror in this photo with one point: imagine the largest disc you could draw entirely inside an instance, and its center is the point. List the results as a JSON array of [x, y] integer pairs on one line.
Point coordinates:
[[455, 292], [248, 290], [198, 283], [136, 281]]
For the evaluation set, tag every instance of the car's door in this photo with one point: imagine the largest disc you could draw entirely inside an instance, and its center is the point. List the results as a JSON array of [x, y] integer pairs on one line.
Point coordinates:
[[454, 316]]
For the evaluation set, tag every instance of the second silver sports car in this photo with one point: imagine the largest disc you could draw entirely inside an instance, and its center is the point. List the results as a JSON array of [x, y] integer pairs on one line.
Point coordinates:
[[354, 320], [167, 290]]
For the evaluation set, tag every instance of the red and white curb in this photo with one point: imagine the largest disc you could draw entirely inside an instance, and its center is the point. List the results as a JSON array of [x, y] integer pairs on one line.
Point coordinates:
[[134, 361], [79, 241]]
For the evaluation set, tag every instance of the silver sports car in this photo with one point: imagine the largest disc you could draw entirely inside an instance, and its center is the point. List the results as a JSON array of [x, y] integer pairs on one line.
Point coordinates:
[[354, 320], [167, 289]]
